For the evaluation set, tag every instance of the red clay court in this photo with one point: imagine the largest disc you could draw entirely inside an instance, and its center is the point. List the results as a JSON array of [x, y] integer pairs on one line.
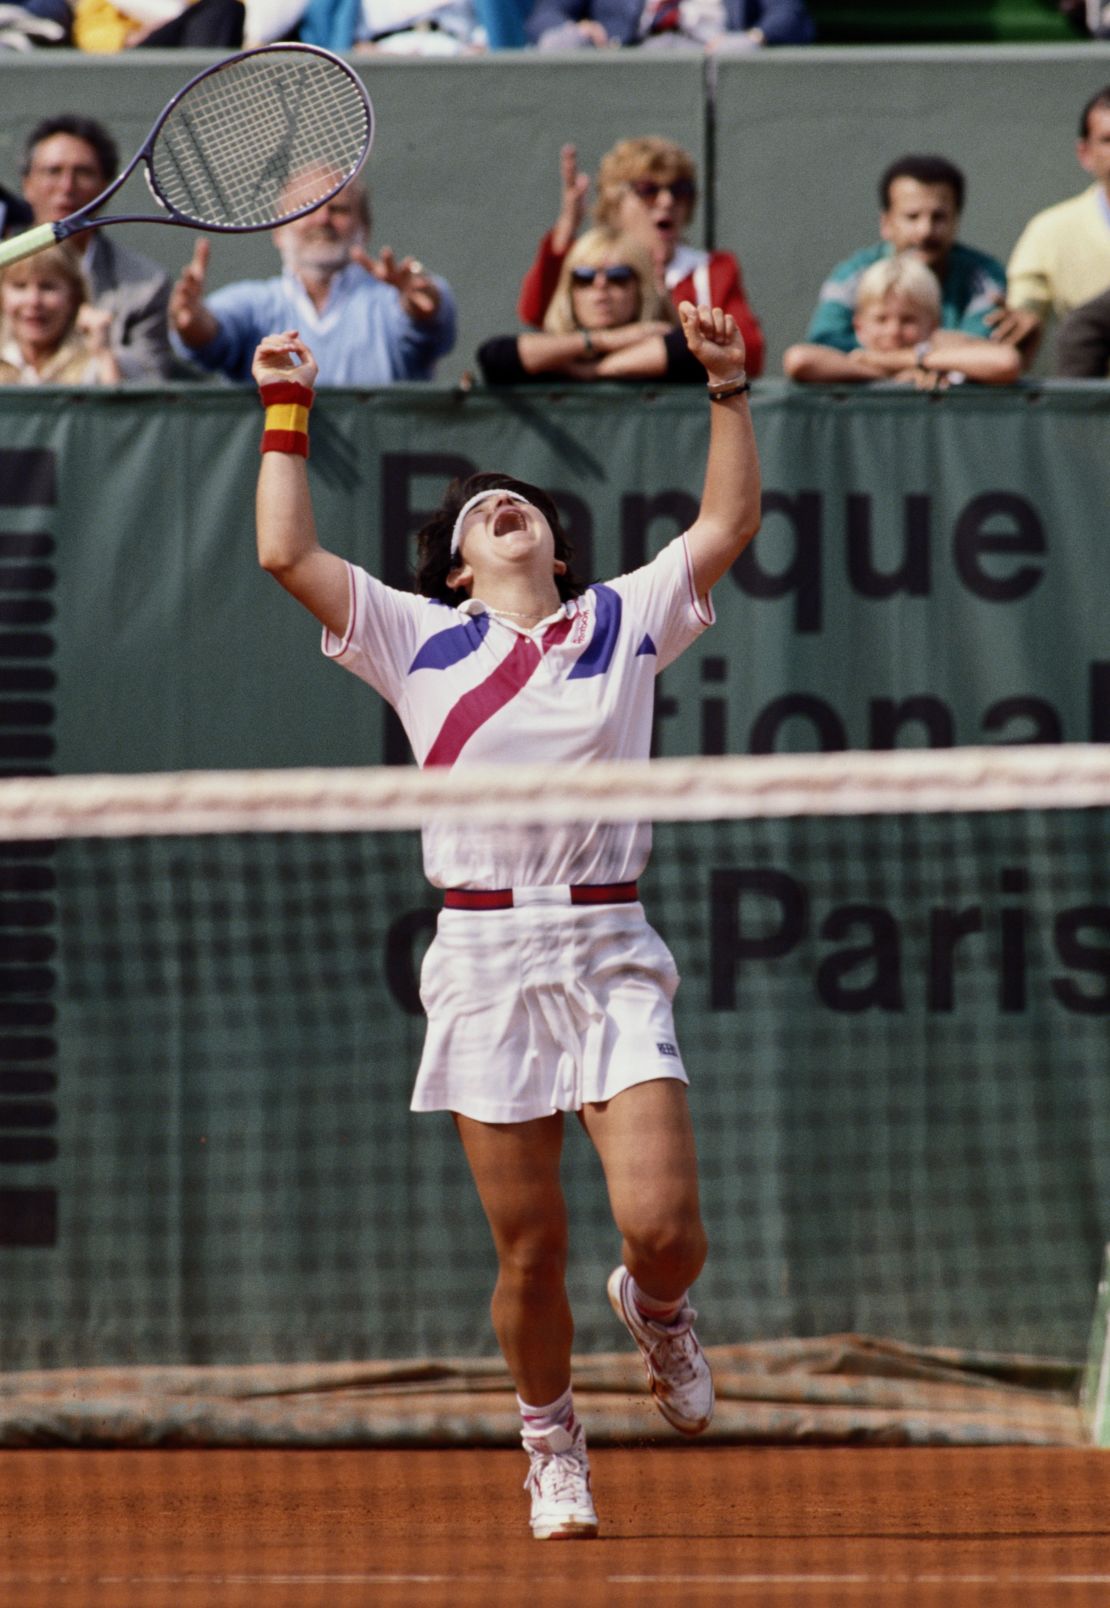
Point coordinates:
[[1025, 1528]]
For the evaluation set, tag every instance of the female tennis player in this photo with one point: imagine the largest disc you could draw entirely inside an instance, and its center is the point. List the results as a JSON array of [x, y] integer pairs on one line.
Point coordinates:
[[546, 990]]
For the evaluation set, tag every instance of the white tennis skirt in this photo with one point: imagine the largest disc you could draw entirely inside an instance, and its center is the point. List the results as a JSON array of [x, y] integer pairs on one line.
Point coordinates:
[[544, 1008]]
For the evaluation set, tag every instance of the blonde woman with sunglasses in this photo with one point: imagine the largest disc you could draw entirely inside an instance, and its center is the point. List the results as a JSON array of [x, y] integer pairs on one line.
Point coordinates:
[[646, 187], [606, 321]]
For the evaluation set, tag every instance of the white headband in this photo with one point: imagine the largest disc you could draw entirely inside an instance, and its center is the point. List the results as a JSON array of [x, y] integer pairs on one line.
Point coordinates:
[[494, 491]]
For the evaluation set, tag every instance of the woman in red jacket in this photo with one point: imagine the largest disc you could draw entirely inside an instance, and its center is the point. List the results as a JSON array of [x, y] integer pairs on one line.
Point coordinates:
[[646, 187]]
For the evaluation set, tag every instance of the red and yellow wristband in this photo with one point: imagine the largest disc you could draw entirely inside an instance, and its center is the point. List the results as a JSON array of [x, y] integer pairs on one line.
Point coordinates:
[[287, 404]]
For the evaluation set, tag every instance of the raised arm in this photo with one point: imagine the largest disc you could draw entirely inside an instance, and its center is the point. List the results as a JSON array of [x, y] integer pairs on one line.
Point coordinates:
[[288, 548], [573, 187], [190, 317], [730, 502], [538, 285]]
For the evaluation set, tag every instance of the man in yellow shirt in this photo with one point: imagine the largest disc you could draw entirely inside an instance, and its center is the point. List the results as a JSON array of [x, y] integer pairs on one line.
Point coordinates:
[[1062, 258]]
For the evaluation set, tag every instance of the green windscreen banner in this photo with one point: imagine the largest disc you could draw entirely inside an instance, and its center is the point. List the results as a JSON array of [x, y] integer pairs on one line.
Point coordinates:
[[896, 1029], [929, 570]]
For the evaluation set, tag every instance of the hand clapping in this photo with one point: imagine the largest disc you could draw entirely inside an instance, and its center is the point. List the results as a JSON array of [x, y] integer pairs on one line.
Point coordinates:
[[418, 290], [188, 314]]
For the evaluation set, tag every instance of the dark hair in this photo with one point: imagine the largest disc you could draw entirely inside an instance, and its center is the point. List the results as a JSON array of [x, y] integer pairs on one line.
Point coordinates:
[[433, 541], [1100, 98], [926, 170], [79, 128]]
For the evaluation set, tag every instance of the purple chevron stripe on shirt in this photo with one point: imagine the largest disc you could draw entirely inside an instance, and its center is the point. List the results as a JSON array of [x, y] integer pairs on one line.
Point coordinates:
[[448, 647], [598, 655]]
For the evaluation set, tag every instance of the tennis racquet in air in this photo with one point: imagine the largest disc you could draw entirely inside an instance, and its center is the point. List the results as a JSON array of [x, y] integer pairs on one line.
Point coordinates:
[[262, 137]]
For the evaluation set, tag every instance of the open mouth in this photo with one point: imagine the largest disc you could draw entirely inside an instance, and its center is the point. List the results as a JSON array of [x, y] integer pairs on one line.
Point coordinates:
[[507, 520]]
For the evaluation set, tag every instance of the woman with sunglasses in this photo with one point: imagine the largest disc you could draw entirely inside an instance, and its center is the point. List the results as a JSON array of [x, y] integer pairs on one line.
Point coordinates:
[[646, 187], [607, 321], [547, 992]]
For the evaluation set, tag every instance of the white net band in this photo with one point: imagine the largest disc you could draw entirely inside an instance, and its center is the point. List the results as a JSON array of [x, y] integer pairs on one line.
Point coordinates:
[[1067, 776]]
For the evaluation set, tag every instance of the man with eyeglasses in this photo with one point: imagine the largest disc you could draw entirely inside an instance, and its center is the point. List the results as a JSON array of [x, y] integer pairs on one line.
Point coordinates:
[[646, 187], [712, 25], [67, 162]]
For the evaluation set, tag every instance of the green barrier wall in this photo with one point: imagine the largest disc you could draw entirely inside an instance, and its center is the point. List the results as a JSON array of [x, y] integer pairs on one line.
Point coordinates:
[[922, 566], [897, 1032], [789, 145]]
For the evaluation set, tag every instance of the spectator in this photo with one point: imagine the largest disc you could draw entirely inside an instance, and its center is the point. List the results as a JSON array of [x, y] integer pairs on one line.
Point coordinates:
[[343, 24], [717, 25], [607, 321], [103, 28], [503, 21], [68, 161], [390, 27], [49, 333], [371, 321], [41, 22], [1062, 258], [14, 213], [1083, 341], [647, 187], [921, 199], [896, 325], [1091, 17]]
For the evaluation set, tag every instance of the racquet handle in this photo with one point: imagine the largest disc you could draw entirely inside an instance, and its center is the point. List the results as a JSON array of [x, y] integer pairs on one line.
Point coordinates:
[[27, 243]]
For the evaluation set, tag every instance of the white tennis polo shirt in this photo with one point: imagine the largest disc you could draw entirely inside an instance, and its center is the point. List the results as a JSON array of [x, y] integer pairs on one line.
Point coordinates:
[[472, 689]]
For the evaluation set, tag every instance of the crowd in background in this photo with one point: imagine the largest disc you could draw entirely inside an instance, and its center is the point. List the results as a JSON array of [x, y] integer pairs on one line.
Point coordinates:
[[408, 27], [434, 27], [917, 306]]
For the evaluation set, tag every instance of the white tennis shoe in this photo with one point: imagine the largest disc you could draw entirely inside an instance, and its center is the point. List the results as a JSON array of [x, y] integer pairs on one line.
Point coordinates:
[[559, 1484], [677, 1369]]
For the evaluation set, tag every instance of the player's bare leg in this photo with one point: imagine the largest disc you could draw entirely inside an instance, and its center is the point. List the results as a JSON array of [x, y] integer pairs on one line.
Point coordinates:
[[645, 1140], [516, 1170]]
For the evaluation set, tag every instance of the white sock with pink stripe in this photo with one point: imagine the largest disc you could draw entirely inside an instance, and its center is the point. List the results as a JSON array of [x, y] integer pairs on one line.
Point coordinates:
[[537, 1421], [651, 1309]]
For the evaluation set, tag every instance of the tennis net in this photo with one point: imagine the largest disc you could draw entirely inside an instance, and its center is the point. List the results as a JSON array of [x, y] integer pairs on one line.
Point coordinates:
[[896, 985]]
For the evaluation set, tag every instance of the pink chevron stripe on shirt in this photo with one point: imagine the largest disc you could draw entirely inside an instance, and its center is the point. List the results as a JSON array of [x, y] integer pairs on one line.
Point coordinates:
[[475, 707]]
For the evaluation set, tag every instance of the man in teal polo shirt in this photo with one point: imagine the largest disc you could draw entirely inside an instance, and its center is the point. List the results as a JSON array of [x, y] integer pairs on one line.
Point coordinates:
[[921, 198]]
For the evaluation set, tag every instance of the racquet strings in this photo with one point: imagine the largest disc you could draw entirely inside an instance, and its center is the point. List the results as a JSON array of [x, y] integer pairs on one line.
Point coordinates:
[[261, 140]]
